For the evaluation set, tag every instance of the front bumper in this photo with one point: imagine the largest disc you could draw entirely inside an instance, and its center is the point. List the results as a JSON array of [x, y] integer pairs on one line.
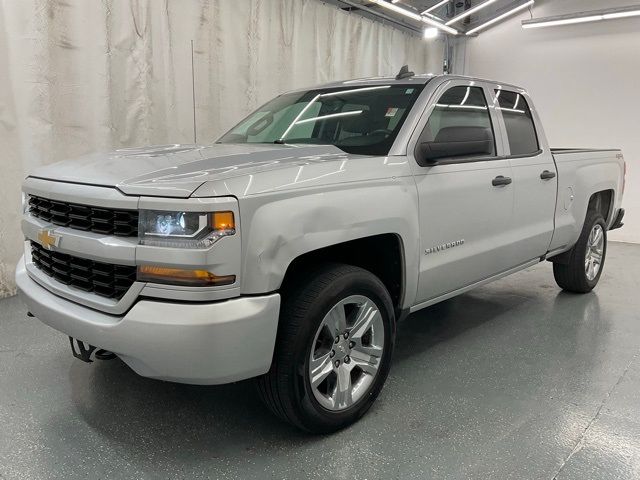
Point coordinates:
[[198, 343]]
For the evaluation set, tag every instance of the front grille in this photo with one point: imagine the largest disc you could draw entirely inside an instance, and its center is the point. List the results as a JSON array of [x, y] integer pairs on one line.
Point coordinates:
[[123, 223], [107, 280]]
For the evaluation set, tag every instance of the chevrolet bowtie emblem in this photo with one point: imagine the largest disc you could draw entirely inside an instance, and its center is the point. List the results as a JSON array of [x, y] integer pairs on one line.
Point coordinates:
[[48, 239]]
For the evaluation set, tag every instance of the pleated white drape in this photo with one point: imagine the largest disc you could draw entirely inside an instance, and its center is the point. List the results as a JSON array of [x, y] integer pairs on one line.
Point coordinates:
[[85, 75]]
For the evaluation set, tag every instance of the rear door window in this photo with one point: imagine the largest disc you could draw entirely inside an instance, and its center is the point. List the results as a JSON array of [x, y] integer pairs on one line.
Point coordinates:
[[521, 131]]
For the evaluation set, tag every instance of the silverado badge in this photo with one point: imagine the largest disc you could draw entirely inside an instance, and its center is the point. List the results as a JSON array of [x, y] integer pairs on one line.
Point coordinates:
[[444, 246], [47, 238]]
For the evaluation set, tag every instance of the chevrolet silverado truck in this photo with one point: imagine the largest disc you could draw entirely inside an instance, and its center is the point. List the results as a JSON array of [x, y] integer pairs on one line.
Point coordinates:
[[288, 250]]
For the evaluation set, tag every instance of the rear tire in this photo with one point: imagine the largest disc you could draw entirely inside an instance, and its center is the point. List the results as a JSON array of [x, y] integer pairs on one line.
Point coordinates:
[[306, 391], [586, 259]]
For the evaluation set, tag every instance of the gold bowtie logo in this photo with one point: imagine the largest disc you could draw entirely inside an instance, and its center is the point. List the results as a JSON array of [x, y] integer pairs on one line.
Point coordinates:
[[48, 239]]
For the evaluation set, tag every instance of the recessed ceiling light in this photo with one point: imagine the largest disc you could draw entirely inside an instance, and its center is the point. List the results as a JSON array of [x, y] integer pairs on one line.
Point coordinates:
[[430, 32]]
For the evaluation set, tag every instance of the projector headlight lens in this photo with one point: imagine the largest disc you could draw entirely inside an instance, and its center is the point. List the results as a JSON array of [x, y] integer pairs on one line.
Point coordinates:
[[184, 229]]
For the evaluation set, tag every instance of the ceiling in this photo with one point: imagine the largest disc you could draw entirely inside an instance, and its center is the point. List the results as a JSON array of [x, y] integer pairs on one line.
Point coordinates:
[[445, 12]]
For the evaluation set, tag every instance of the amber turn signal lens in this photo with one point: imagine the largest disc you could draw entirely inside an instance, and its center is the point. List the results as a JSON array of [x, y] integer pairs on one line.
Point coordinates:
[[178, 276], [223, 221]]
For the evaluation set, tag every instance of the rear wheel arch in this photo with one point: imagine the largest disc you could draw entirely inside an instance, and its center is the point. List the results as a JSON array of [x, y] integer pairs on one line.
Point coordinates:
[[603, 203], [577, 273]]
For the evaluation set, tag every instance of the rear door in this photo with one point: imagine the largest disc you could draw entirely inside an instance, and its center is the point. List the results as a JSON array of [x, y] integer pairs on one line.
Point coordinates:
[[465, 202], [534, 176]]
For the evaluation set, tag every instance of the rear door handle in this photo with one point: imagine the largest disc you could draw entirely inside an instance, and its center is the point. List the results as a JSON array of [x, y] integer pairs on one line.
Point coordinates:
[[501, 180], [547, 175]]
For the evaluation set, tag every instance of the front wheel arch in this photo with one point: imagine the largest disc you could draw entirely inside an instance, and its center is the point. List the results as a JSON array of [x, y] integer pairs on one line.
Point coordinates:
[[383, 255]]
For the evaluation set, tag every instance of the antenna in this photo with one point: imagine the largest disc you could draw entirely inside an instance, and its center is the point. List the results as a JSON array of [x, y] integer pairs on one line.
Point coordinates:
[[193, 95], [404, 73]]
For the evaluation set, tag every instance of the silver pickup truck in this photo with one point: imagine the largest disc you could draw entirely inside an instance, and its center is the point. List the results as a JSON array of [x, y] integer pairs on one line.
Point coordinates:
[[289, 249]]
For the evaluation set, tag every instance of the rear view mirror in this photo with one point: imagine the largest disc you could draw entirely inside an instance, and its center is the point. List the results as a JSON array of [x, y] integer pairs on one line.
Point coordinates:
[[451, 142], [259, 125]]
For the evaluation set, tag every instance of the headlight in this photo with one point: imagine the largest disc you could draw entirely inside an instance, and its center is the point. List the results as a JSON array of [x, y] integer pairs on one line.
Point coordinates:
[[184, 229]]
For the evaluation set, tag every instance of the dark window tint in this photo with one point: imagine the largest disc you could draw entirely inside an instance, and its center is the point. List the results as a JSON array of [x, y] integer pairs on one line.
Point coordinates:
[[360, 120], [461, 115], [521, 131]]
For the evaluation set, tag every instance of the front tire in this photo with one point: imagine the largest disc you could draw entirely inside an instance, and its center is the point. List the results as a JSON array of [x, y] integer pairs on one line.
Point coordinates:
[[333, 351], [586, 260]]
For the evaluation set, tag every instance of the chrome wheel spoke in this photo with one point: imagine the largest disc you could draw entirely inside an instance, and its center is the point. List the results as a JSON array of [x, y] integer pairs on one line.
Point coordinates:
[[366, 316], [366, 352], [597, 236], [367, 363], [336, 319], [595, 252], [343, 393], [320, 369]]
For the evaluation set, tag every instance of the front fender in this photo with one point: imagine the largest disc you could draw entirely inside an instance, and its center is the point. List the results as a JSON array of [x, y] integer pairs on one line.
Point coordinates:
[[279, 227]]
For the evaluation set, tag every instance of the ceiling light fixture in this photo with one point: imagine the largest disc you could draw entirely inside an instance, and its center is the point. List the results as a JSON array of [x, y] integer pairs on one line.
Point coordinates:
[[436, 6], [630, 13], [470, 11], [584, 17], [415, 16], [567, 21], [433, 17], [501, 17]]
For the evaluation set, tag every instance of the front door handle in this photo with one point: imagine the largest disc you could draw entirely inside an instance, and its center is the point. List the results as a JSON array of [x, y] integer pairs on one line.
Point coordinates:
[[547, 175], [501, 180]]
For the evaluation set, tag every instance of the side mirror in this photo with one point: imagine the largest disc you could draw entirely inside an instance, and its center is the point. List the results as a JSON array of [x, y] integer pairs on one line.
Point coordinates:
[[452, 142]]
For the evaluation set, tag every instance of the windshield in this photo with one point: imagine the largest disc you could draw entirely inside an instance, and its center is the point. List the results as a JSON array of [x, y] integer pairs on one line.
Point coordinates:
[[360, 120]]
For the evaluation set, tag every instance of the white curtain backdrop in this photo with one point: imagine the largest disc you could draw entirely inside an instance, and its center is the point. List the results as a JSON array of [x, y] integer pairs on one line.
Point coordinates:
[[86, 75]]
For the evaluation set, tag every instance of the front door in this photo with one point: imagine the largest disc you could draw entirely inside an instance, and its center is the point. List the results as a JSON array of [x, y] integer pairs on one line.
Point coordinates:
[[465, 201]]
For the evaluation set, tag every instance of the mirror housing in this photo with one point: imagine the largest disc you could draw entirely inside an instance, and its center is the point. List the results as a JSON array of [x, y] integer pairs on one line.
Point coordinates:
[[452, 142]]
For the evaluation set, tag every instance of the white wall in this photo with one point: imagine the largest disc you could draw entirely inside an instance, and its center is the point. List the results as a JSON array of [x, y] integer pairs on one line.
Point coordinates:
[[79, 76], [585, 80]]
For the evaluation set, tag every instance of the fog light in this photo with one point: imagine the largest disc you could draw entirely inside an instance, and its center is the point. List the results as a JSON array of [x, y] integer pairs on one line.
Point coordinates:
[[179, 276]]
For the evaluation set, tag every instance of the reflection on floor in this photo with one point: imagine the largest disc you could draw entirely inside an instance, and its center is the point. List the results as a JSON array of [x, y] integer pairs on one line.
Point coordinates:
[[513, 380]]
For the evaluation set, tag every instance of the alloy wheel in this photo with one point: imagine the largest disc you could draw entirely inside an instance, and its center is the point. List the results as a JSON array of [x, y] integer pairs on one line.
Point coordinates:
[[595, 250], [346, 353]]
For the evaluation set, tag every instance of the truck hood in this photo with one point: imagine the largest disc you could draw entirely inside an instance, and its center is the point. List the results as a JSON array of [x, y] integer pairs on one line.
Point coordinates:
[[178, 170]]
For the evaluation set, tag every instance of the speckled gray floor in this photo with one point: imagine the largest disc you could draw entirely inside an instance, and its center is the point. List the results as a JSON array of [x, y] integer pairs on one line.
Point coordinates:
[[514, 380]]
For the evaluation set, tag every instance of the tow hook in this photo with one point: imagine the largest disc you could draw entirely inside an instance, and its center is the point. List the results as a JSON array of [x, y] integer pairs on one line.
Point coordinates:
[[82, 351], [104, 354]]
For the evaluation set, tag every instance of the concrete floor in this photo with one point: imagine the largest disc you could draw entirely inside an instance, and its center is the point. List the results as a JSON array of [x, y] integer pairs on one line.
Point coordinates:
[[513, 380]]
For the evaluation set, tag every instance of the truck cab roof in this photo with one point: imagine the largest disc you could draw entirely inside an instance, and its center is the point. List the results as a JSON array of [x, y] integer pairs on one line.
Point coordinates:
[[417, 79]]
